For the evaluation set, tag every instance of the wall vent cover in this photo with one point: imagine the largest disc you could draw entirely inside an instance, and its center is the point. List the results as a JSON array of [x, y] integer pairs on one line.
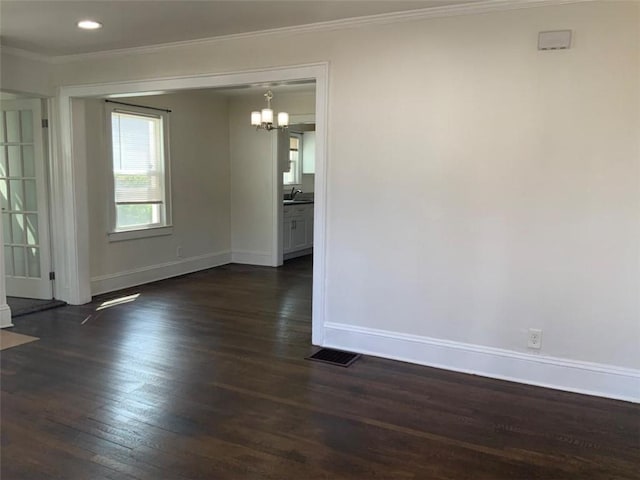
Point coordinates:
[[334, 357], [554, 40]]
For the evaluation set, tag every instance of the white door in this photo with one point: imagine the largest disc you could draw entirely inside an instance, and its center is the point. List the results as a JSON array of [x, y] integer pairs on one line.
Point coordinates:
[[23, 193]]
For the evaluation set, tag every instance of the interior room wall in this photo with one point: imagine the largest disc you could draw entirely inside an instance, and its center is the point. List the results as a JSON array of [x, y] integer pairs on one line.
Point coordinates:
[[25, 75], [200, 181], [252, 163], [308, 149], [495, 188], [308, 152], [476, 186], [307, 182]]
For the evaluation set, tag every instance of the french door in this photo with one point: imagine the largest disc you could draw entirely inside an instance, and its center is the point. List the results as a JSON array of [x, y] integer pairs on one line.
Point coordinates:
[[23, 195]]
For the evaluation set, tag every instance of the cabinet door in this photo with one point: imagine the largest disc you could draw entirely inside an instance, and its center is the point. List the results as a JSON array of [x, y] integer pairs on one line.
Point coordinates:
[[298, 233], [286, 235], [309, 217]]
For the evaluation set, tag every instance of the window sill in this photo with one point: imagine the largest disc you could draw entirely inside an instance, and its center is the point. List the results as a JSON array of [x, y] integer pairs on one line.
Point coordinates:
[[142, 233]]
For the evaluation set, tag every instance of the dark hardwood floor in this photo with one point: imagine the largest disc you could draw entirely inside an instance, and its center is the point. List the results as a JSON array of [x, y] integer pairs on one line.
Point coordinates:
[[24, 306], [203, 376]]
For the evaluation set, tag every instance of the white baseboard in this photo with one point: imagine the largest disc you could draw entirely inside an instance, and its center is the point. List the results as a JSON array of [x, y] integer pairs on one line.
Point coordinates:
[[558, 373], [153, 273], [5, 316], [252, 258]]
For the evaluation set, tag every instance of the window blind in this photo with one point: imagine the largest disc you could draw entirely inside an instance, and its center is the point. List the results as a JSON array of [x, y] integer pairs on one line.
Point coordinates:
[[137, 159]]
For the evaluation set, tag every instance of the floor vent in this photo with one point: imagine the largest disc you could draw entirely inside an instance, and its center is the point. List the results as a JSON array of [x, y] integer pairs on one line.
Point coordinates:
[[334, 357]]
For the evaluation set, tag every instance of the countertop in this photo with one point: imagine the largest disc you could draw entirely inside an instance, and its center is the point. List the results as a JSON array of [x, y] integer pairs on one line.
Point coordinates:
[[296, 202]]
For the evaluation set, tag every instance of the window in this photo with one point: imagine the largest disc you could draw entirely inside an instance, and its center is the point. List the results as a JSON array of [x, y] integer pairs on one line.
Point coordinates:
[[140, 168], [293, 176]]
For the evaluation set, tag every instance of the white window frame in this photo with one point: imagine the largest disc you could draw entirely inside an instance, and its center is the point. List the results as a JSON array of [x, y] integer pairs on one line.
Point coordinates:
[[298, 179], [164, 227]]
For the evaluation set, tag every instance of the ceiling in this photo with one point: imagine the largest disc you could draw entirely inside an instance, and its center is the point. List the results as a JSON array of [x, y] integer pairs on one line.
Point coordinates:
[[49, 27]]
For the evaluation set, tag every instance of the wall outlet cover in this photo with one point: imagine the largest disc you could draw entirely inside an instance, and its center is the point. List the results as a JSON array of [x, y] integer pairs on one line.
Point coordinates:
[[535, 338]]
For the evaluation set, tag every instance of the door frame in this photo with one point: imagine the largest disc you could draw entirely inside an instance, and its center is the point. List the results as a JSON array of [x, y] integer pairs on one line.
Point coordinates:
[[69, 210]]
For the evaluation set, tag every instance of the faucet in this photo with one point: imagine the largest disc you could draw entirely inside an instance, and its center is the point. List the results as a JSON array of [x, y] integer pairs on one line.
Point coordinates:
[[294, 192]]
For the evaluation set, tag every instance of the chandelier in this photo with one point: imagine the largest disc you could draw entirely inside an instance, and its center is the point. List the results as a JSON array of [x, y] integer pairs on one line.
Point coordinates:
[[264, 118]]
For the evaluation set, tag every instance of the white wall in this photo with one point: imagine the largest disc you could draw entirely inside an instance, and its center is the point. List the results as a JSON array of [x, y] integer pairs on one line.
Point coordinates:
[[252, 185], [476, 186], [308, 157], [307, 182], [502, 192], [200, 179], [24, 75]]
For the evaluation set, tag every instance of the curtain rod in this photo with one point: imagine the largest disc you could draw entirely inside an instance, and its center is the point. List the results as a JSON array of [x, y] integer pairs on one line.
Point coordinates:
[[139, 106]]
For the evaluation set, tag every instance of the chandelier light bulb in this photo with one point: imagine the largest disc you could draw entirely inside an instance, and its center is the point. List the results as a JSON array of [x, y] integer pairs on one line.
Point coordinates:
[[267, 115], [283, 119]]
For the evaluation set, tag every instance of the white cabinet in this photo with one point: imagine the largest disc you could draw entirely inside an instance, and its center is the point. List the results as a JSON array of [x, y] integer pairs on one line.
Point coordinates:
[[286, 237], [299, 233], [297, 230], [309, 228]]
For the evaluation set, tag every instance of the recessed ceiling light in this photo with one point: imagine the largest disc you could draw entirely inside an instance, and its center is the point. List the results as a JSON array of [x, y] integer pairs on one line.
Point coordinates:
[[89, 25]]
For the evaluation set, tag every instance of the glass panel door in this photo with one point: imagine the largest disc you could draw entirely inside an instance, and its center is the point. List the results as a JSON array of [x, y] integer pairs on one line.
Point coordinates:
[[23, 200]]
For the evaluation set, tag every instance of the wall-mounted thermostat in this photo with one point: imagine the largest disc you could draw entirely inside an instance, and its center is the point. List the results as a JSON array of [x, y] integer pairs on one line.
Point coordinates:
[[555, 40]]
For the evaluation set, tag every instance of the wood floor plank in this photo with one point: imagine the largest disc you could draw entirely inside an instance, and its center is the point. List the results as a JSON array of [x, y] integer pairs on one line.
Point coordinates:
[[204, 376]]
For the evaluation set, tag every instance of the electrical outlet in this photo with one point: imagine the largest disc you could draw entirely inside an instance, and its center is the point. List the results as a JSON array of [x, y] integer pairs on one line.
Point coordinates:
[[535, 338], [179, 252]]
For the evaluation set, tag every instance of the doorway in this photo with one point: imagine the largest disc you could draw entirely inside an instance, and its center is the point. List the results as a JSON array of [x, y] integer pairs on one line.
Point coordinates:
[[71, 210]]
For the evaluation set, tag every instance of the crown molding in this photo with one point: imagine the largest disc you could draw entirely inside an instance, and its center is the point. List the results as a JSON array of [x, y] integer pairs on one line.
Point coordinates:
[[20, 53], [479, 7]]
